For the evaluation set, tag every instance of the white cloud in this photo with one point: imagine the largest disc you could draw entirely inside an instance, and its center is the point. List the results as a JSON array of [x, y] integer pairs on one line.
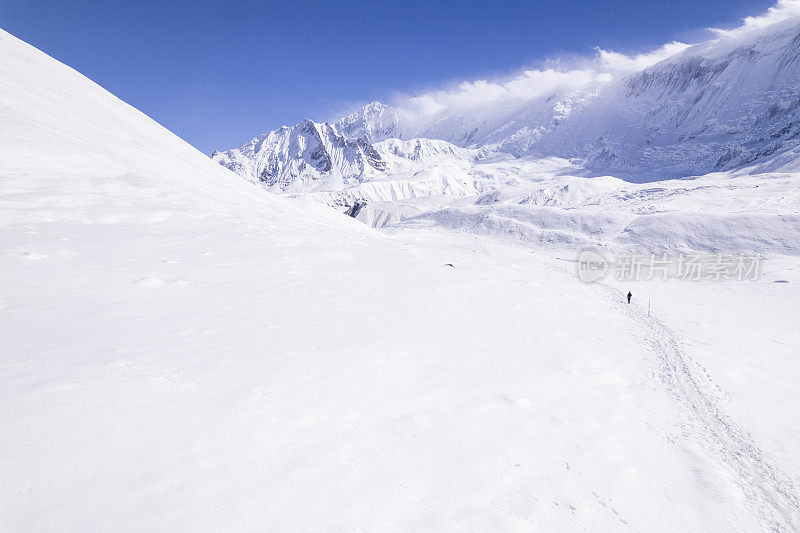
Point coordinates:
[[582, 75], [530, 84], [616, 61], [784, 9], [569, 78]]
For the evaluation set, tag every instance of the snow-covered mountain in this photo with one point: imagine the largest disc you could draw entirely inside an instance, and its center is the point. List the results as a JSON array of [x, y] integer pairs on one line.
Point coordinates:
[[720, 105], [374, 122], [303, 158], [314, 156], [415, 168]]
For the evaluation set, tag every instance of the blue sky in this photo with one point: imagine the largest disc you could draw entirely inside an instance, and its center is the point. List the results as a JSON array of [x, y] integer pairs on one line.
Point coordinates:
[[218, 73]]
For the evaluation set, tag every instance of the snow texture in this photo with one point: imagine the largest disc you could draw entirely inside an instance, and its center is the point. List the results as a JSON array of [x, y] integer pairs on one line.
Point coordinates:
[[183, 350]]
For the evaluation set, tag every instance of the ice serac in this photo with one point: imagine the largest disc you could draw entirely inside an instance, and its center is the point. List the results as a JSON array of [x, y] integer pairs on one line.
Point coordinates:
[[303, 158]]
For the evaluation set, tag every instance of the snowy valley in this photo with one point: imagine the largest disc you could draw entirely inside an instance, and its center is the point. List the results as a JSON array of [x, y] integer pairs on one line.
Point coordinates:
[[375, 323]]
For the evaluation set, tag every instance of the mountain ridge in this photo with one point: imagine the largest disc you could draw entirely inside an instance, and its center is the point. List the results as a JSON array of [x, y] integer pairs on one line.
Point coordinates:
[[719, 105]]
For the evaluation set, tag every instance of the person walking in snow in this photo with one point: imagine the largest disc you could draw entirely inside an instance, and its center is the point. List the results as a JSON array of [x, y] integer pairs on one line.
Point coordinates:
[[629, 296]]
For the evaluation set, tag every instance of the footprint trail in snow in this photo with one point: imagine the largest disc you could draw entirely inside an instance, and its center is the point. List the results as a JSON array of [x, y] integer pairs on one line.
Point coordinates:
[[770, 494]]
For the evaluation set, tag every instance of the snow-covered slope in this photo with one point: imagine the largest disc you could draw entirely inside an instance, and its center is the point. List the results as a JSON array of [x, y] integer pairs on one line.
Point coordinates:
[[717, 213], [182, 350]]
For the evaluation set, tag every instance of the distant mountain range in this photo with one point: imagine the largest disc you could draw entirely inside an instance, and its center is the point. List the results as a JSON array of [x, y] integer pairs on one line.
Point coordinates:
[[725, 104]]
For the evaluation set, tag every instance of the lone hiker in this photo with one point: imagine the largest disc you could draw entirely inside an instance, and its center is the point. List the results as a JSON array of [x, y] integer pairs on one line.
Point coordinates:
[[629, 296]]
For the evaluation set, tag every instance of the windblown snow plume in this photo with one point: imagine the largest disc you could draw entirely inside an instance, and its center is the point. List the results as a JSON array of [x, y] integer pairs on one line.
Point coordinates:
[[622, 63], [783, 10]]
